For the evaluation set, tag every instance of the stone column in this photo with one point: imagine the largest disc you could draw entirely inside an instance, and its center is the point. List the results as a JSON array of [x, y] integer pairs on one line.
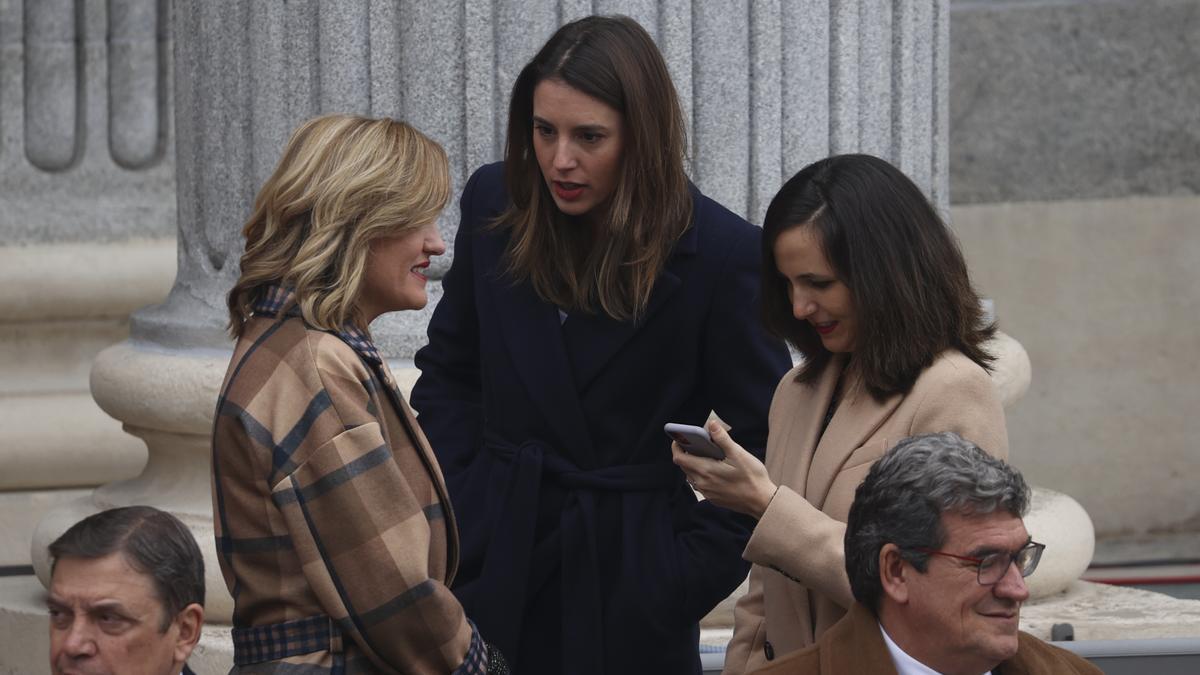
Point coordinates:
[[86, 236]]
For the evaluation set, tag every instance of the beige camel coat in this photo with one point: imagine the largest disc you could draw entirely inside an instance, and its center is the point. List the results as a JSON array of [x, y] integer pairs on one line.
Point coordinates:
[[798, 584]]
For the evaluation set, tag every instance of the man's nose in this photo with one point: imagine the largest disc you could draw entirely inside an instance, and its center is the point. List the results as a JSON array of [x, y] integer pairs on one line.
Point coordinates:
[[80, 639], [1012, 585]]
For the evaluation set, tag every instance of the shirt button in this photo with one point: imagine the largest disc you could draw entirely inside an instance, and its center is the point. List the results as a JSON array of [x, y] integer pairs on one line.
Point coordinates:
[[768, 650]]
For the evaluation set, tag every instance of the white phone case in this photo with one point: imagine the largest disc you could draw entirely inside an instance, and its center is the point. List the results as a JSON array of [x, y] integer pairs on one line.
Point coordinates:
[[694, 440]]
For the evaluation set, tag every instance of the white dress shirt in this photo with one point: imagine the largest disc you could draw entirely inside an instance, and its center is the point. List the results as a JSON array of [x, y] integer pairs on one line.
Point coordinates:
[[905, 664]]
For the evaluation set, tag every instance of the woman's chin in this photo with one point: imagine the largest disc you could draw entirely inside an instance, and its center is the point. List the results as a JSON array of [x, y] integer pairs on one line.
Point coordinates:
[[415, 303]]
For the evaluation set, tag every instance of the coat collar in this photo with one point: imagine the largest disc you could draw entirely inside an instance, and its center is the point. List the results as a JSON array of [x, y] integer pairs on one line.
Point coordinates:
[[277, 298], [856, 645]]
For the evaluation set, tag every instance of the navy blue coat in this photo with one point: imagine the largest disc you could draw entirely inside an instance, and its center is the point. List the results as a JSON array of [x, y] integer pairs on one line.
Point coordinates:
[[583, 549]]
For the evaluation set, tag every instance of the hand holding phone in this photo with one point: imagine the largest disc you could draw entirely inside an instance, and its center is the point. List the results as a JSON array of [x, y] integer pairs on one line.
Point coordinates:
[[694, 440]]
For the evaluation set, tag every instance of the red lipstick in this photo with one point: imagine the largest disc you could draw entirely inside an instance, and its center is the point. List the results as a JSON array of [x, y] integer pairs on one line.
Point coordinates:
[[417, 274], [568, 192]]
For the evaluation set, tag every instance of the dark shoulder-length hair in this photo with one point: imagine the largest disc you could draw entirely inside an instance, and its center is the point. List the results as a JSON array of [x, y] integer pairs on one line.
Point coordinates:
[[613, 60], [906, 274]]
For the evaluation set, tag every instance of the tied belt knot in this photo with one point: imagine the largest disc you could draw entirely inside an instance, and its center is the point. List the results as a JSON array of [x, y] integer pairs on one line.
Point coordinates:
[[506, 574]]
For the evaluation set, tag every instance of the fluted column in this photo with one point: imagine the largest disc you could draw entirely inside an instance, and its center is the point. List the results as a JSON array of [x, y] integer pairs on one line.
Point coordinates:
[[87, 221]]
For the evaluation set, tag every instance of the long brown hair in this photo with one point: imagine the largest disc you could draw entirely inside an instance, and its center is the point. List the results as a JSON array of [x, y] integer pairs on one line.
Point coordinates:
[[907, 277], [613, 267], [342, 182]]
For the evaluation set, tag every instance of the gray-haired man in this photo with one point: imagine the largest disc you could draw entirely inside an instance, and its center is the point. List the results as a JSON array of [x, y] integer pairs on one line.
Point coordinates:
[[126, 595], [936, 552]]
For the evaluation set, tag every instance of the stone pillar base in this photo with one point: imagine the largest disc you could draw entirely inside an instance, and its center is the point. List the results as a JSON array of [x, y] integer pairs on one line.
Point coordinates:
[[166, 399], [20, 511]]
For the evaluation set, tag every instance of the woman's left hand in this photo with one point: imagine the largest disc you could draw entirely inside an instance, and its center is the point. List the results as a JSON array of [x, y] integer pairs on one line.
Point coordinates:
[[739, 482]]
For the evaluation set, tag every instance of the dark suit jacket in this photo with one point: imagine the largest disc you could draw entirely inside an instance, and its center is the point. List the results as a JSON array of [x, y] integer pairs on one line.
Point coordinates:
[[854, 645], [578, 533]]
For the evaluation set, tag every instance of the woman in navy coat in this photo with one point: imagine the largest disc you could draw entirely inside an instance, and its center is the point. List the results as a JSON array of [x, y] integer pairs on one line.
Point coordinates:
[[595, 295]]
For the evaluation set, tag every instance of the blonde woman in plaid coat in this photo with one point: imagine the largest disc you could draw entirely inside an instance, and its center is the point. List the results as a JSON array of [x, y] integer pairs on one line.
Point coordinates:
[[334, 531]]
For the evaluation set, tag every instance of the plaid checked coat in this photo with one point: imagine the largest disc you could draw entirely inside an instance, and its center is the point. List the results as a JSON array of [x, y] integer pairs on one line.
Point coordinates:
[[333, 526]]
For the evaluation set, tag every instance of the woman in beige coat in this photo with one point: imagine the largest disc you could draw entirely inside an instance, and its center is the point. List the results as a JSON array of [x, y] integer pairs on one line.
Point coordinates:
[[867, 283]]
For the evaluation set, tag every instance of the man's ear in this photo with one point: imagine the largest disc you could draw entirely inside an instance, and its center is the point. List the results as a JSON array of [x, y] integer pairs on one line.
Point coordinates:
[[894, 574], [190, 621]]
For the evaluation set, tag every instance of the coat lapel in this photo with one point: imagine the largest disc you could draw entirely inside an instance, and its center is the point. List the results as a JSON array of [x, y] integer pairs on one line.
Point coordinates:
[[421, 444], [857, 418], [869, 650], [534, 336], [807, 421], [594, 339]]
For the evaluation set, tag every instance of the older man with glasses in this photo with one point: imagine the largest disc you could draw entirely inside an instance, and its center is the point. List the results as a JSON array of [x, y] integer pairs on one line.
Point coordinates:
[[937, 556]]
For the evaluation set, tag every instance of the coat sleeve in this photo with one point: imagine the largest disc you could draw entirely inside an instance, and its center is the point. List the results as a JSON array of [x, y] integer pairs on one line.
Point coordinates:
[[362, 535], [803, 543], [448, 395], [741, 366]]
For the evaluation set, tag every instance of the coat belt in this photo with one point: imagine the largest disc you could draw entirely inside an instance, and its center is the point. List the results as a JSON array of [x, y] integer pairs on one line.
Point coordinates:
[[506, 572], [275, 641]]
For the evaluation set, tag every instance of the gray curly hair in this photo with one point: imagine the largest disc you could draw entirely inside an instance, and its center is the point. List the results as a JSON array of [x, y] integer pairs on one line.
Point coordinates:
[[902, 499]]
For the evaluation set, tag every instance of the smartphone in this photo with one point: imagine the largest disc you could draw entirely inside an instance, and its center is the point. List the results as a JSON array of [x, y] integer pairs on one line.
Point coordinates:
[[694, 440]]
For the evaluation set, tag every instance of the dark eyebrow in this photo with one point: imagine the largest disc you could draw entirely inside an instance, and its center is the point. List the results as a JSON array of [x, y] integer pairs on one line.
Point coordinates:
[[809, 276], [583, 128]]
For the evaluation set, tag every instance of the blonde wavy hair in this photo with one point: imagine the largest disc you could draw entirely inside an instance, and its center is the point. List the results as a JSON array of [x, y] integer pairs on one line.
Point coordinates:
[[342, 182]]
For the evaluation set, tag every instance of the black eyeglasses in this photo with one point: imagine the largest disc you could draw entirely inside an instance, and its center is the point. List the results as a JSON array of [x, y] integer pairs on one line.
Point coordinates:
[[992, 568]]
